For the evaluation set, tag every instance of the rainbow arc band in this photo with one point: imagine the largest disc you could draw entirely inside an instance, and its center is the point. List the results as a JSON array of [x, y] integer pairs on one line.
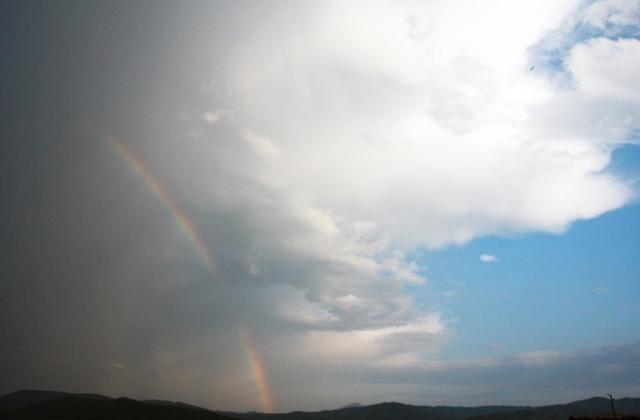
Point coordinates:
[[186, 226], [189, 230]]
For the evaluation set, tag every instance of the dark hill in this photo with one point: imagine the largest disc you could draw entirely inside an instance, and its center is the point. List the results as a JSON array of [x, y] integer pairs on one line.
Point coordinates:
[[60, 405], [592, 407], [77, 407], [26, 397], [383, 411]]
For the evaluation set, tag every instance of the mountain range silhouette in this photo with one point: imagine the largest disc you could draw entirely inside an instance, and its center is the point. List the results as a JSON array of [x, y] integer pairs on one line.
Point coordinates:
[[32, 404]]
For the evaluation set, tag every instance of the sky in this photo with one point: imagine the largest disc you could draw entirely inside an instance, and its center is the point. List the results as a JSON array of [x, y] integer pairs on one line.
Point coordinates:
[[295, 205]]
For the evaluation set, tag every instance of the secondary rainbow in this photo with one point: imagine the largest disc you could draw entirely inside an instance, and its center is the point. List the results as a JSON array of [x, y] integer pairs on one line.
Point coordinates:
[[191, 233]]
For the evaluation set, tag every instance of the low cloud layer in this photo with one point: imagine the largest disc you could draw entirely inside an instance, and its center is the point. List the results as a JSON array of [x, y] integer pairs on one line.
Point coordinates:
[[311, 166], [531, 378]]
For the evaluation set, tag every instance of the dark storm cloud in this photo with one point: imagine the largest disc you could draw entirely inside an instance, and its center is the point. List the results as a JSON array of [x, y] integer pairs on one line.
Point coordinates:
[[79, 233]]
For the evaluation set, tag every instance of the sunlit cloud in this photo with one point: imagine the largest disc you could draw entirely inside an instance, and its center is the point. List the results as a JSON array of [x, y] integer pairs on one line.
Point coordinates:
[[378, 130]]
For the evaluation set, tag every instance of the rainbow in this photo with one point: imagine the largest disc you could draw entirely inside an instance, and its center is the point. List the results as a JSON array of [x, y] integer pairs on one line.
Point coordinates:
[[191, 233], [259, 373], [179, 216]]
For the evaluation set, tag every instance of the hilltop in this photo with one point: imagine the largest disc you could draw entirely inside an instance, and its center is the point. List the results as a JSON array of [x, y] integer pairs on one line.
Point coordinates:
[[30, 404]]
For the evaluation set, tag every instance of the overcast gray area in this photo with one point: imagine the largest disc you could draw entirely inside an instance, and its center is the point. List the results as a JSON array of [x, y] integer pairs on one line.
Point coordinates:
[[267, 123]]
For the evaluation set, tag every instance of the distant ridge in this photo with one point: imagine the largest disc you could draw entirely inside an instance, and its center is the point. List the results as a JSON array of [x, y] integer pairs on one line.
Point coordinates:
[[352, 405], [28, 405], [27, 397], [591, 407], [595, 407], [31, 404], [383, 411]]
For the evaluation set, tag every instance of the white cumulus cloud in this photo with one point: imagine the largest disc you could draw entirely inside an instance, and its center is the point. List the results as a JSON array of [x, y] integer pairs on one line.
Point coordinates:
[[379, 128]]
